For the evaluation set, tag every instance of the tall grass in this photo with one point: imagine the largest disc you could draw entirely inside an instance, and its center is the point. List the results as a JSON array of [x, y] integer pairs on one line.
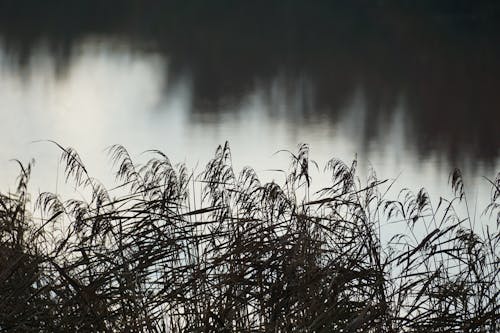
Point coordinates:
[[157, 255]]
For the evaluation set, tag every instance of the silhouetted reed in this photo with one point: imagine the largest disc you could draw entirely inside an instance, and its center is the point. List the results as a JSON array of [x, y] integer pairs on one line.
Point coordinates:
[[154, 255]]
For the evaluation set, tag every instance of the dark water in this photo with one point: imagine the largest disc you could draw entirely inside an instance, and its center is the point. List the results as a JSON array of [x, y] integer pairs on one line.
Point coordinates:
[[411, 88]]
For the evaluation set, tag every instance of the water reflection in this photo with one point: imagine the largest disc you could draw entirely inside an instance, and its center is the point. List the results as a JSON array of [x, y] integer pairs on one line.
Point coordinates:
[[397, 83]]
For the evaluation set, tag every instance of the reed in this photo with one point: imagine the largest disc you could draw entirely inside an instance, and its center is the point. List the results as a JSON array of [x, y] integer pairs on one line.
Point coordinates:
[[155, 255]]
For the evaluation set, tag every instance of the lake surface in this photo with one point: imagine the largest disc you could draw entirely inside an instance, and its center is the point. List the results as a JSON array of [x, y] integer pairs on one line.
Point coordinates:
[[411, 90]]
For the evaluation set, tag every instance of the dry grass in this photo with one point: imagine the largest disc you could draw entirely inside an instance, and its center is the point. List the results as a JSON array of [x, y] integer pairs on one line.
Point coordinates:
[[241, 256]]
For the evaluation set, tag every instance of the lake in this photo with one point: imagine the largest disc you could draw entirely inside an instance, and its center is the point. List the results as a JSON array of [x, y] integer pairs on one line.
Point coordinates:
[[410, 89]]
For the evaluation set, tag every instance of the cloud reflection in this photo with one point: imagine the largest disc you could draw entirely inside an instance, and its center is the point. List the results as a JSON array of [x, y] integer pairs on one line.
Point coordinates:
[[438, 65]]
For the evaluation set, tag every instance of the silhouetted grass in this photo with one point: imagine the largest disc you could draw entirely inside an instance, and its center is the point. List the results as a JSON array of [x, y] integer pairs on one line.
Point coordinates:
[[242, 256]]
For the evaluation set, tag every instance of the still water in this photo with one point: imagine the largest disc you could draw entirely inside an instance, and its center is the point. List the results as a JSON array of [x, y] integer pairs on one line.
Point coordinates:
[[411, 91]]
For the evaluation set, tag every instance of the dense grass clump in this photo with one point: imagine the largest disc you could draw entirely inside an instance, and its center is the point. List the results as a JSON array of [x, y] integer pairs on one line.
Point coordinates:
[[157, 255]]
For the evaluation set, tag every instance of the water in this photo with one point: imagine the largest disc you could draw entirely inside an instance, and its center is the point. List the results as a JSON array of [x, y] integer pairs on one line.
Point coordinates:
[[412, 91]]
